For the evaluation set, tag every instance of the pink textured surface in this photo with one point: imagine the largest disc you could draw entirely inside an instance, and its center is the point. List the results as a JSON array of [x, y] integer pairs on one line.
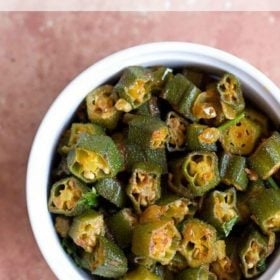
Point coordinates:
[[41, 52]]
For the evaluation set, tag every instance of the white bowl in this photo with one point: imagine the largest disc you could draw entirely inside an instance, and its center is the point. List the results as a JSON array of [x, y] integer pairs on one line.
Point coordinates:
[[257, 87]]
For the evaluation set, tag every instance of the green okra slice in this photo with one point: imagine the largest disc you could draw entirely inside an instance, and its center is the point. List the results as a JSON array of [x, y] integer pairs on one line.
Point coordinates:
[[134, 88], [181, 94], [176, 208], [241, 137], [147, 132], [232, 171], [259, 118], [231, 96], [112, 190], [177, 182], [144, 185], [101, 107], [157, 240], [107, 260], [160, 75], [71, 137], [140, 273], [135, 154], [85, 229], [178, 263], [198, 244], [194, 142], [266, 159], [220, 210], [121, 225], [200, 169], [253, 251], [149, 108], [177, 127], [94, 157], [196, 76], [265, 209], [163, 272], [200, 273], [67, 197]]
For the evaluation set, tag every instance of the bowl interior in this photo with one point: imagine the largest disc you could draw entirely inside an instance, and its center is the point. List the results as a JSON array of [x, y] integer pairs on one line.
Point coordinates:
[[257, 88]]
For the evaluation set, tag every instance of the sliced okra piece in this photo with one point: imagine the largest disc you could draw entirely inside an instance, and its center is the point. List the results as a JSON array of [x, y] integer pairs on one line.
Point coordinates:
[[62, 225], [226, 269], [265, 209], [198, 244], [200, 273], [266, 159], [75, 132], [181, 94], [177, 182], [69, 196], [178, 263], [259, 118], [157, 240], [196, 76], [144, 185], [147, 132], [140, 273], [94, 157], [241, 137], [231, 96], [112, 190], [220, 210], [163, 272], [121, 226], [177, 127], [149, 108], [194, 142], [201, 172], [232, 171], [134, 88], [253, 251], [135, 153], [101, 107], [177, 209], [159, 77], [85, 229], [107, 260]]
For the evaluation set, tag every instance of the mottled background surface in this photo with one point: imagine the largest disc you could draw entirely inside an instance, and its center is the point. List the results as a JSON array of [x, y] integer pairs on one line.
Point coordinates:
[[41, 52]]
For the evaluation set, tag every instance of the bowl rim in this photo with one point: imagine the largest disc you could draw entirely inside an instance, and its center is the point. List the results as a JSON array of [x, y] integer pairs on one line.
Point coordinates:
[[145, 54]]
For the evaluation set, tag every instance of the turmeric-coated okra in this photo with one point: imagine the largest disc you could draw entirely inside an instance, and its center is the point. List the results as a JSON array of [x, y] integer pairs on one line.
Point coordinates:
[[107, 260], [85, 229], [176, 208], [144, 185], [220, 210], [200, 170], [94, 157], [157, 240], [177, 127], [101, 107], [198, 244], [254, 248], [231, 96], [71, 197], [133, 89], [121, 225], [266, 158]]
